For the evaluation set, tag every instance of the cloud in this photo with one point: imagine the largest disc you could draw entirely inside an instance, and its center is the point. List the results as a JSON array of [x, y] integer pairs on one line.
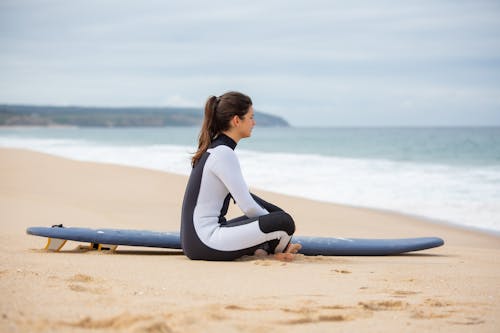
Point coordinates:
[[344, 62]]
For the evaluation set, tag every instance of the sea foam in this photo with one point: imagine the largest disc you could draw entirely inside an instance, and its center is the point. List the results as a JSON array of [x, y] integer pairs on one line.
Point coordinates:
[[468, 196]]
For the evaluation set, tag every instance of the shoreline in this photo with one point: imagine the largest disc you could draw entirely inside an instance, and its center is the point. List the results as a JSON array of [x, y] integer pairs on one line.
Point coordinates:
[[446, 193], [451, 224], [396, 214], [452, 288], [466, 228]]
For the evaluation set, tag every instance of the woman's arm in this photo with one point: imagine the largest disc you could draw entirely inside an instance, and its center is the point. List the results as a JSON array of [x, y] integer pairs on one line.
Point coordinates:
[[227, 168], [266, 205]]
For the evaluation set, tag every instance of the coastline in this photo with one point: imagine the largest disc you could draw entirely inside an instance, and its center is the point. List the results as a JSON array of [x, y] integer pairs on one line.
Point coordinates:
[[453, 288]]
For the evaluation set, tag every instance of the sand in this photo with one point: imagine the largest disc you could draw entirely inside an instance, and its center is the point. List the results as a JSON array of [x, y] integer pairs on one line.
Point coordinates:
[[454, 288]]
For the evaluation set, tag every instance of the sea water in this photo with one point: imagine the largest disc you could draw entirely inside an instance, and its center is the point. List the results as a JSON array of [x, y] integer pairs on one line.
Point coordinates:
[[445, 174]]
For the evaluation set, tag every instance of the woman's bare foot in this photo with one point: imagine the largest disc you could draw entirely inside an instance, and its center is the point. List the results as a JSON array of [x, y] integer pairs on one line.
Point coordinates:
[[289, 253], [293, 248], [283, 256]]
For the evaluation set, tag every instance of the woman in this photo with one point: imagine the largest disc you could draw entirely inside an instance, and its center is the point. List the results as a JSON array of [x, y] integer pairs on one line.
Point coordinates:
[[216, 178]]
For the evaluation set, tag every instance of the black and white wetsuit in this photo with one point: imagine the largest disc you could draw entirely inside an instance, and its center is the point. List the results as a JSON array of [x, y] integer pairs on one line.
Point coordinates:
[[205, 233]]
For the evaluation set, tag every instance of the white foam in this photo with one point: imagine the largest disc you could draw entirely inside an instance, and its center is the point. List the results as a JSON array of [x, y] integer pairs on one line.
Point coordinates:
[[466, 196], [456, 194], [169, 158]]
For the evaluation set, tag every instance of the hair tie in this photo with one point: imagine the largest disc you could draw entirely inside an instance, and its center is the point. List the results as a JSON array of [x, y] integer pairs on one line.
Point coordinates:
[[214, 107], [217, 100]]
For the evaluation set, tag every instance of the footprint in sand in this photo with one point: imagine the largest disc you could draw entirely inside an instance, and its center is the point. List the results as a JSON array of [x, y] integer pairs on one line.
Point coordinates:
[[323, 313], [437, 303], [81, 278], [469, 321], [139, 323], [80, 283], [435, 309], [404, 293], [383, 305], [341, 271], [317, 319], [429, 314], [236, 307]]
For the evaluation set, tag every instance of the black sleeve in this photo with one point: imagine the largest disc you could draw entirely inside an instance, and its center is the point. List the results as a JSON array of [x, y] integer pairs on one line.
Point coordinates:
[[266, 205]]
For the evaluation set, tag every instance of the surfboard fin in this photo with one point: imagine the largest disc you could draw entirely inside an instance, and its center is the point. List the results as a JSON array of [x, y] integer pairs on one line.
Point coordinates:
[[55, 244], [103, 247]]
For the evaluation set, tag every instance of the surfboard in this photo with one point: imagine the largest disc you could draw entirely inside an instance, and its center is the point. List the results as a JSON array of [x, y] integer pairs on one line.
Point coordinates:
[[311, 246]]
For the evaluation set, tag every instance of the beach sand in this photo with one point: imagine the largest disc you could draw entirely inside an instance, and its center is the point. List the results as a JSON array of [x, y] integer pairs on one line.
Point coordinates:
[[454, 288]]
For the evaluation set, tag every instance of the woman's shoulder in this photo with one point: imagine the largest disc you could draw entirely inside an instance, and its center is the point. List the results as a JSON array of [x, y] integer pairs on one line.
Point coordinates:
[[223, 149], [222, 153]]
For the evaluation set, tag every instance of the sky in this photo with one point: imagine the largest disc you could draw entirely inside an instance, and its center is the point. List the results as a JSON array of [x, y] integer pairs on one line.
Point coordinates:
[[315, 63]]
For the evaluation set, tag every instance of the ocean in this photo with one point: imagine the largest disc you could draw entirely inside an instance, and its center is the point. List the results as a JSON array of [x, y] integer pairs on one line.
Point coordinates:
[[444, 174]]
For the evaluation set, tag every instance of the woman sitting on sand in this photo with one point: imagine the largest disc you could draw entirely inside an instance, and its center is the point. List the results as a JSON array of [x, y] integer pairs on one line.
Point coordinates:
[[216, 178]]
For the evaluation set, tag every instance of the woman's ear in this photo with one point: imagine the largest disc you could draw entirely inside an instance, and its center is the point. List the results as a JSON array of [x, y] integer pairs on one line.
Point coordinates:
[[235, 121]]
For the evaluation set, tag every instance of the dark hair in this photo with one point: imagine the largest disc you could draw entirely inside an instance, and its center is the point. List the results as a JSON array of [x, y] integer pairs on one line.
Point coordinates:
[[218, 113]]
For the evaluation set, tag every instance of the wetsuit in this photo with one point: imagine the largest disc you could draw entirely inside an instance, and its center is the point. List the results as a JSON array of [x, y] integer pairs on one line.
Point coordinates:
[[205, 233]]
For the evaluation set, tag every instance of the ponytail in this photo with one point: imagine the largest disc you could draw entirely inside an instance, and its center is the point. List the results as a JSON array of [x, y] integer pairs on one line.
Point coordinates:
[[218, 113], [208, 130]]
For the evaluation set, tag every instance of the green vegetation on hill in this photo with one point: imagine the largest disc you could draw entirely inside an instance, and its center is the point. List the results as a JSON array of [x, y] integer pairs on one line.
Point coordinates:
[[27, 115]]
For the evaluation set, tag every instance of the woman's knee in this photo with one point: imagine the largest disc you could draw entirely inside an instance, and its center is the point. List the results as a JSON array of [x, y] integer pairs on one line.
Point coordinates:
[[277, 221]]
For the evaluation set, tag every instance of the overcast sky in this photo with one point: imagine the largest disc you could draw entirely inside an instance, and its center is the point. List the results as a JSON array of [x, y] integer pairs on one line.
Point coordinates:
[[316, 63]]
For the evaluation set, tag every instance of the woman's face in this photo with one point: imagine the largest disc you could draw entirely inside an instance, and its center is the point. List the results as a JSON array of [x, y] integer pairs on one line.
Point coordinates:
[[247, 124]]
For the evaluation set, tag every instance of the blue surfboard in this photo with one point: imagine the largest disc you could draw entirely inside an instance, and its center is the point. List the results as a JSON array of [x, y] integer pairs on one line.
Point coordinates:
[[311, 246]]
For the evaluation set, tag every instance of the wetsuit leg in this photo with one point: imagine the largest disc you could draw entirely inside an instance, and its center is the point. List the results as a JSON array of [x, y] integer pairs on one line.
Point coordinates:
[[271, 245], [278, 225], [271, 232]]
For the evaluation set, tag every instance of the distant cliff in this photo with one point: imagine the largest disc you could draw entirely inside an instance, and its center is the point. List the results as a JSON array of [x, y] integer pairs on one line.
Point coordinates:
[[27, 115]]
